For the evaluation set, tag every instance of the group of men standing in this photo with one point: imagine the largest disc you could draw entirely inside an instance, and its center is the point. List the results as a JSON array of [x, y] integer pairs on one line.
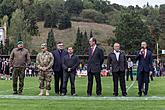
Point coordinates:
[[64, 63]]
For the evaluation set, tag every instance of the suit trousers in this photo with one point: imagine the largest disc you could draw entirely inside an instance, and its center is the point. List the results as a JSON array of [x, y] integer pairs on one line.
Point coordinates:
[[58, 81], [121, 77], [66, 76], [90, 83], [143, 81]]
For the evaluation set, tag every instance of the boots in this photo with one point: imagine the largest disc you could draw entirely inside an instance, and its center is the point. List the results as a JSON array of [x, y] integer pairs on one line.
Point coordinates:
[[47, 92], [41, 92]]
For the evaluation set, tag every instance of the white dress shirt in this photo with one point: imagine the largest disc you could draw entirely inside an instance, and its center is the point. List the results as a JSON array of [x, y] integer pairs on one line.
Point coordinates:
[[117, 54]]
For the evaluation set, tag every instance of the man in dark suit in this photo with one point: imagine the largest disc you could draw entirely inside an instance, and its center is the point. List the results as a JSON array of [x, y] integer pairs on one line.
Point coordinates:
[[117, 60], [70, 65], [144, 58], [58, 54], [95, 61]]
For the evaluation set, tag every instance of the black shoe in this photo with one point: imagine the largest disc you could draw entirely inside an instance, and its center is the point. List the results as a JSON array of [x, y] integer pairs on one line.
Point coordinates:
[[20, 93], [99, 95], [145, 94], [15, 92], [124, 95], [74, 94], [89, 95], [115, 95], [140, 94], [57, 94]]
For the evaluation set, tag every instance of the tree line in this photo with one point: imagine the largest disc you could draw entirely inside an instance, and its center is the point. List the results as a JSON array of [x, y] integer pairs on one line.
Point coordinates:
[[133, 22]]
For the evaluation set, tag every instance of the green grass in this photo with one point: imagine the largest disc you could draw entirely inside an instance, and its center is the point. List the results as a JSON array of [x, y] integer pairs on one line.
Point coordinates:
[[31, 89], [8, 104]]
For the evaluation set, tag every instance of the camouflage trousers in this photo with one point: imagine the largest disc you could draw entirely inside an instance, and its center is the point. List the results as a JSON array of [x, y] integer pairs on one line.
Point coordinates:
[[18, 73], [45, 76]]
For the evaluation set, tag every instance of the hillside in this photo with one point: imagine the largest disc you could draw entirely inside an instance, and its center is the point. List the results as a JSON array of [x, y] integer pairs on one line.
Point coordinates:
[[101, 31]]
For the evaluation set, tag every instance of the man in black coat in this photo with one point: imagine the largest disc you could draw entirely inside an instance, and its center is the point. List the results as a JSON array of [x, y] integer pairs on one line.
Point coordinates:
[[145, 68], [70, 65], [117, 60], [58, 55], [95, 61]]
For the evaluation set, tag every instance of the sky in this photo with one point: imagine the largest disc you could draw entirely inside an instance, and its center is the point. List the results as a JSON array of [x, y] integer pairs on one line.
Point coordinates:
[[141, 3]]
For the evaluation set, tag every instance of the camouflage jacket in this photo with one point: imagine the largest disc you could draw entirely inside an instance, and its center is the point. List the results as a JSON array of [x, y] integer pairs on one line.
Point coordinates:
[[45, 59]]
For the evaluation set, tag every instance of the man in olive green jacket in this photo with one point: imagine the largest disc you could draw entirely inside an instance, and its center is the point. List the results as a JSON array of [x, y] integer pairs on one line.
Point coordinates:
[[19, 59]]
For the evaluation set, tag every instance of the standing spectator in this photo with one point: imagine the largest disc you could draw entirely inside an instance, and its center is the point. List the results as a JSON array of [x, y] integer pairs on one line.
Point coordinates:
[[117, 59], [1, 68], [70, 65], [30, 72], [95, 61], [27, 72], [19, 59], [7, 69], [33, 70], [144, 58], [163, 70], [130, 67], [58, 55]]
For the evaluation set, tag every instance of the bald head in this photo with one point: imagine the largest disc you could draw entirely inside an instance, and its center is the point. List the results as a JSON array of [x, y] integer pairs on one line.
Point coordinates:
[[116, 46]]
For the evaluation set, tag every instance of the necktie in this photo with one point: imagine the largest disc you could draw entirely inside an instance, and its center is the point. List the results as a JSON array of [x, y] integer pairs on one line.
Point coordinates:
[[92, 50], [145, 53]]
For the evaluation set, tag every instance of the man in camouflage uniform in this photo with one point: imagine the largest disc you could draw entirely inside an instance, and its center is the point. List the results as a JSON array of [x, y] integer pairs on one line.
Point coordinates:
[[19, 59], [44, 63]]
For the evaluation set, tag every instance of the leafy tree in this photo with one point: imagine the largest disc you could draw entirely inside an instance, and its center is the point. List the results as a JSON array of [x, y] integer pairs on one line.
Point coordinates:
[[162, 21], [51, 41], [65, 22], [131, 31], [85, 44], [18, 28], [91, 34], [51, 20], [87, 4], [81, 43], [93, 15], [74, 7], [30, 17], [7, 7], [154, 23]]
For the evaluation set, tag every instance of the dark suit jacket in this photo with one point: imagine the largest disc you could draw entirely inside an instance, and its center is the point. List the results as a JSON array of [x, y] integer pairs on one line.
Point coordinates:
[[96, 60], [120, 65], [144, 64], [57, 66], [72, 63]]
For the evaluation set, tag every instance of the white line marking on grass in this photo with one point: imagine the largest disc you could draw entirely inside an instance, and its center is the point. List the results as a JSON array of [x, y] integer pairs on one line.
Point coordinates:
[[79, 98], [131, 85]]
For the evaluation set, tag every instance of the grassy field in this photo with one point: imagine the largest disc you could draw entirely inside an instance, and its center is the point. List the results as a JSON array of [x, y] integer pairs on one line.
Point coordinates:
[[157, 88]]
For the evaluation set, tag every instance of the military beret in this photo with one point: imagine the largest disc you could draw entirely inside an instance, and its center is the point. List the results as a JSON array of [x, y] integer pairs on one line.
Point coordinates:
[[43, 45], [19, 42]]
